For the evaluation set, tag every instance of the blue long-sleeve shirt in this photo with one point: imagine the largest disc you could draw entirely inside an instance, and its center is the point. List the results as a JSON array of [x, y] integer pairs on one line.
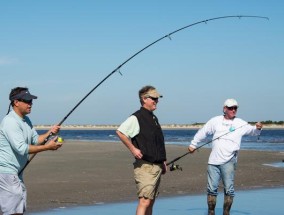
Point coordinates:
[[16, 134]]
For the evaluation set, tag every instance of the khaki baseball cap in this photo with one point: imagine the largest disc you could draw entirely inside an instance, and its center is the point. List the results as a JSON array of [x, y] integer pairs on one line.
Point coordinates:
[[153, 94]]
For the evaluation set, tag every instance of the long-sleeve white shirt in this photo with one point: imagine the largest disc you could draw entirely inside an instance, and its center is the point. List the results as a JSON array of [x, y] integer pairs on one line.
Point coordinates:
[[230, 133]]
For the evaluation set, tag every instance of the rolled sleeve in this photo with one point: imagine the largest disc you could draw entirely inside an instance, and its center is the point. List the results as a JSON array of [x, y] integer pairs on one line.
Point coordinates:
[[130, 127]]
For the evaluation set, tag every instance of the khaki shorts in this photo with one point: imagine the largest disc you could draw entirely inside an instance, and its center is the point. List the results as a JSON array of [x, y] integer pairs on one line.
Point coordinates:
[[13, 194], [147, 178]]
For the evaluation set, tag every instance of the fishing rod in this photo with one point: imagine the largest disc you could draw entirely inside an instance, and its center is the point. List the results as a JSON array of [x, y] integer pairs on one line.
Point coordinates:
[[117, 69], [177, 167]]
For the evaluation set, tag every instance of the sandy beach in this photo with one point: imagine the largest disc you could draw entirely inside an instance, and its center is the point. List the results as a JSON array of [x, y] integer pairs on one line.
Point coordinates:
[[88, 173]]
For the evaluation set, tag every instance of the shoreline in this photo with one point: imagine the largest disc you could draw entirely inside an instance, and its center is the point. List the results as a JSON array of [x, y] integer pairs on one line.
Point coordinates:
[[89, 173], [246, 204], [164, 127]]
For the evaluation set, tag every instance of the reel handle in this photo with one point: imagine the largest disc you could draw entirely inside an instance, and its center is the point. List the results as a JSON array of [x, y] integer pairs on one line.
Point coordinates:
[[174, 167]]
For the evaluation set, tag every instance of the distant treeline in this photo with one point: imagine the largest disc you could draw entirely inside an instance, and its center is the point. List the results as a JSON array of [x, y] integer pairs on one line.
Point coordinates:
[[267, 122]]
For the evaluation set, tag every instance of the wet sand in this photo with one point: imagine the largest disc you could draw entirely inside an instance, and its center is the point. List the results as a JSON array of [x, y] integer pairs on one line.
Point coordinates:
[[88, 173]]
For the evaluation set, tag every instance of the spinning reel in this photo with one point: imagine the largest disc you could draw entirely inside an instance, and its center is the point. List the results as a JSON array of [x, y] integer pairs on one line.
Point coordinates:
[[174, 167]]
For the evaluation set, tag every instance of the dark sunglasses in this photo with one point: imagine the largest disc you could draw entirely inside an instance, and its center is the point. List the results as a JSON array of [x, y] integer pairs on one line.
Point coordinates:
[[26, 101], [232, 108], [154, 99]]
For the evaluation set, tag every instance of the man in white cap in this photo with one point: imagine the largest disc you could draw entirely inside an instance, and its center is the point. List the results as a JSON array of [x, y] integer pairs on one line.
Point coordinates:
[[142, 135], [223, 158], [18, 139]]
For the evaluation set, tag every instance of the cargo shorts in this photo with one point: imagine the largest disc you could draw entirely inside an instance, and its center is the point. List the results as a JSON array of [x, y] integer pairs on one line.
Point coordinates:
[[147, 178]]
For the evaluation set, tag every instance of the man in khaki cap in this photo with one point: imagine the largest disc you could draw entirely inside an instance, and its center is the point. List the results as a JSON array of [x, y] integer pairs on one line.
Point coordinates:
[[227, 131], [142, 135]]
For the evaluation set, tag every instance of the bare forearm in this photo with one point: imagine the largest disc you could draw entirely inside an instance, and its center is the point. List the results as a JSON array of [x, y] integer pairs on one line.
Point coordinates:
[[128, 143], [52, 144], [42, 138], [54, 130], [125, 140], [38, 148]]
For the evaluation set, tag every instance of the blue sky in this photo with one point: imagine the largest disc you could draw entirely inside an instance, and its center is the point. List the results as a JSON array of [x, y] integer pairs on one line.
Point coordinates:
[[61, 49]]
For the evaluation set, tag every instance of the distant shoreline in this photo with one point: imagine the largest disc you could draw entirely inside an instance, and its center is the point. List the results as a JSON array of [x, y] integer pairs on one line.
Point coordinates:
[[166, 127]]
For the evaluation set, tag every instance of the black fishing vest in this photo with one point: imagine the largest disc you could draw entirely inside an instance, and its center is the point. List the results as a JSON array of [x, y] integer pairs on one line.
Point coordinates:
[[150, 139]]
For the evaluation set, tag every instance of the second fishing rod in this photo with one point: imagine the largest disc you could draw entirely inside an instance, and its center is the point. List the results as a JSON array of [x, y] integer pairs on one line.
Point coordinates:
[[174, 166]]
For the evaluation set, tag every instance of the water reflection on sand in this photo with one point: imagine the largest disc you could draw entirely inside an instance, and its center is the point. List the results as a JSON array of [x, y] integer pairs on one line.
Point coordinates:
[[260, 202]]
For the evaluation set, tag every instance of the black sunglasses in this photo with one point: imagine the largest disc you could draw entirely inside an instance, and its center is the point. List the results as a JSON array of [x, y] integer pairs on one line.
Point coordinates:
[[154, 99], [26, 101], [232, 108]]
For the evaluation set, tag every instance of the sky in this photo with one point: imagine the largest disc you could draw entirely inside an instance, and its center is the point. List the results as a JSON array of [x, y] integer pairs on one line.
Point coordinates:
[[61, 49]]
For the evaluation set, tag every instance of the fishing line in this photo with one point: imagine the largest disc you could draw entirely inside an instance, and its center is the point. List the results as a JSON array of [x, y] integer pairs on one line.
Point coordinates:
[[117, 69], [177, 167]]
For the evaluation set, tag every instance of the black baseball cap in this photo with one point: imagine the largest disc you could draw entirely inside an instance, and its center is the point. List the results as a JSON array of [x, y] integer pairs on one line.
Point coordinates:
[[25, 95]]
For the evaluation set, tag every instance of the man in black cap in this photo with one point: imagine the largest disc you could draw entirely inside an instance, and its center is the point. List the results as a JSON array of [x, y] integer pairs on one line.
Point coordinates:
[[18, 139]]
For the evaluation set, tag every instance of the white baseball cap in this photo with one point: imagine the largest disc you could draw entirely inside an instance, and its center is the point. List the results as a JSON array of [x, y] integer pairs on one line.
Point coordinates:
[[230, 103]]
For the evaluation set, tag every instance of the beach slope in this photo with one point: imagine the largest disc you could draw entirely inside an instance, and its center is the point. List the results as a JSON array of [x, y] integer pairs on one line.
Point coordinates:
[[88, 173]]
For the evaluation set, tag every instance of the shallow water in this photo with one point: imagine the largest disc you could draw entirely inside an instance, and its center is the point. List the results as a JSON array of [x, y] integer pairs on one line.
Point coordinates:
[[260, 202], [269, 140], [276, 164]]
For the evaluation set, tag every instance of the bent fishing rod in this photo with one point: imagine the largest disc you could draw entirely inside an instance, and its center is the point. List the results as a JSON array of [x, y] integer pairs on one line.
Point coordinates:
[[117, 69], [177, 167]]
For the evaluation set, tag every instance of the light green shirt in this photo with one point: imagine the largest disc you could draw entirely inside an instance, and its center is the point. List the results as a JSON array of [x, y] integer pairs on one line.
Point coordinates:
[[16, 134], [130, 127]]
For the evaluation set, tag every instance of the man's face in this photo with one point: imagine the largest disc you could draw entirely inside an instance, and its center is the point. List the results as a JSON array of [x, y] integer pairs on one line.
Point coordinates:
[[150, 103], [230, 112], [24, 107]]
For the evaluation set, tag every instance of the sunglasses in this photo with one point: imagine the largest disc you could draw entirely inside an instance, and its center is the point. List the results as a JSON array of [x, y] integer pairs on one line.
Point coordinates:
[[154, 99], [26, 101], [232, 108]]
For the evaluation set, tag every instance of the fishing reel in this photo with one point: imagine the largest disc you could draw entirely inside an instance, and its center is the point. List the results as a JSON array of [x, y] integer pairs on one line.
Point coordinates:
[[51, 136], [60, 139], [174, 167]]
